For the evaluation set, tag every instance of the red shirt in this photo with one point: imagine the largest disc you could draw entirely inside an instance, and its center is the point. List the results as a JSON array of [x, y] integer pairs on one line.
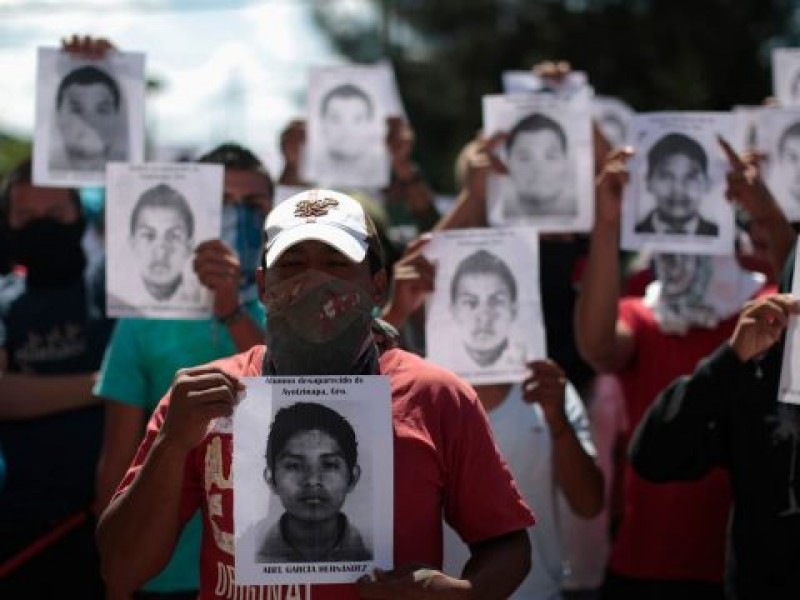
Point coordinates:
[[445, 460]]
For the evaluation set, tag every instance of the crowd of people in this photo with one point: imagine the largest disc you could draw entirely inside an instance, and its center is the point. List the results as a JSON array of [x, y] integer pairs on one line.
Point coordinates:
[[647, 456]]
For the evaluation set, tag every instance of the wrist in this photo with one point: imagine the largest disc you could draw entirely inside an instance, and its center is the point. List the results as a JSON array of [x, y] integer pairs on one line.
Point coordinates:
[[230, 317]]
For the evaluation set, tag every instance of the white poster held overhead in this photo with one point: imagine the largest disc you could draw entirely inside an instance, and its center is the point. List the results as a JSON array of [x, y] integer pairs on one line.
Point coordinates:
[[779, 135], [786, 76], [313, 450], [575, 84], [88, 113], [156, 215], [546, 148], [613, 117], [484, 321], [789, 388], [347, 111], [675, 200]]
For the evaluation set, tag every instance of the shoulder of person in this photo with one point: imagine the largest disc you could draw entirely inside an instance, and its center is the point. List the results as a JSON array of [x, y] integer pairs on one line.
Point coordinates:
[[424, 377]]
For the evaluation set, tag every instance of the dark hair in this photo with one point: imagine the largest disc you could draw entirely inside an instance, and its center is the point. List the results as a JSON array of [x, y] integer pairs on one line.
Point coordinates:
[[307, 416], [164, 196], [532, 124], [23, 173], [88, 75], [235, 156], [673, 144], [347, 90], [483, 261], [792, 131]]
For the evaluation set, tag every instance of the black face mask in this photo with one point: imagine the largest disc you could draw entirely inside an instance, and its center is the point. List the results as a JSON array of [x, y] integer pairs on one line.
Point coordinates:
[[50, 251]]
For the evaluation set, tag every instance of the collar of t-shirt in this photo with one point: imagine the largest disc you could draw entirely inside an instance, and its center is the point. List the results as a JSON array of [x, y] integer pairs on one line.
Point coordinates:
[[728, 288]]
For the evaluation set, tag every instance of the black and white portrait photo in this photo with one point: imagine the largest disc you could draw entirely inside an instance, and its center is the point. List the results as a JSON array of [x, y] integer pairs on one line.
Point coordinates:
[[348, 107], [780, 132], [156, 216], [88, 113], [484, 319], [613, 117], [676, 197], [786, 76], [315, 498], [546, 153]]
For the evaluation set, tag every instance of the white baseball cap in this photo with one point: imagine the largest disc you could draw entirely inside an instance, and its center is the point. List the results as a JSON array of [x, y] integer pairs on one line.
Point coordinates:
[[326, 216]]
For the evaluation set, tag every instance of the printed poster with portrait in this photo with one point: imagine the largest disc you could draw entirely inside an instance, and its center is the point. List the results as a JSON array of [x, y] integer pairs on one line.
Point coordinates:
[[613, 117], [789, 387], [675, 199], [575, 84], [786, 76], [779, 136], [88, 113], [347, 111], [484, 321], [546, 149], [156, 215], [313, 479]]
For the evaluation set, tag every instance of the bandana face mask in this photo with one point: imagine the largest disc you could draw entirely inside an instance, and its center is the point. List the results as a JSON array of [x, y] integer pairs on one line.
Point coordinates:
[[318, 325]]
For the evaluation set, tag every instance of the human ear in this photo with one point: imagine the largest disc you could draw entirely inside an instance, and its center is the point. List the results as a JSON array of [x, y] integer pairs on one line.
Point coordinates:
[[355, 475]]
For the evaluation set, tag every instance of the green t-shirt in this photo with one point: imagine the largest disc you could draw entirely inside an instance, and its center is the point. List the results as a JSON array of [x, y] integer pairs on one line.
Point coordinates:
[[138, 369]]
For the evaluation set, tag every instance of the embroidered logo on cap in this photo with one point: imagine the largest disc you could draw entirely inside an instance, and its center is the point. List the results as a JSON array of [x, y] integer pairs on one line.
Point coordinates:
[[317, 207]]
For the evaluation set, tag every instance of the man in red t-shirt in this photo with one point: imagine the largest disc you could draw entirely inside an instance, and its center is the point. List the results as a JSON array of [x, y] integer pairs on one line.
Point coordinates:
[[671, 538], [321, 276]]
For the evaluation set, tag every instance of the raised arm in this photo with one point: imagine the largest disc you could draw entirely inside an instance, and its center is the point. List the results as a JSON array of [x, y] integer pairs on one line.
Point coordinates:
[[681, 437], [604, 341], [138, 531]]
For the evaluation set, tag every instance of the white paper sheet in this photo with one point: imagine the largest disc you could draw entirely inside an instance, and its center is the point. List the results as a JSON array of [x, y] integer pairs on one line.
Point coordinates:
[[301, 453], [613, 117], [347, 111], [786, 76], [88, 113], [789, 388], [549, 156], [484, 320], [680, 166], [779, 136], [150, 249]]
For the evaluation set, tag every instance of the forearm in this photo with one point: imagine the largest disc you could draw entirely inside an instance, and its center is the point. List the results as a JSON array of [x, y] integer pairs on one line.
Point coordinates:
[[679, 438], [497, 567], [291, 176], [137, 532], [245, 332], [577, 474], [24, 396], [597, 304], [122, 434], [467, 212]]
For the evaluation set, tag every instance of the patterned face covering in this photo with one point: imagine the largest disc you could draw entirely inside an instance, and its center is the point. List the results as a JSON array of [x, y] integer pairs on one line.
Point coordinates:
[[241, 230], [698, 291], [318, 324]]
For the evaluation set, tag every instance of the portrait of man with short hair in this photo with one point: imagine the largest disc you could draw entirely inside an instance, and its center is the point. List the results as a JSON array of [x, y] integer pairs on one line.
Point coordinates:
[[539, 166], [90, 120], [312, 466], [678, 180], [348, 123], [483, 303], [161, 239]]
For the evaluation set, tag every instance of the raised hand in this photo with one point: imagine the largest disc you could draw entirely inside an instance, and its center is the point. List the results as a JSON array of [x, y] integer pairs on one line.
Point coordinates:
[[761, 323]]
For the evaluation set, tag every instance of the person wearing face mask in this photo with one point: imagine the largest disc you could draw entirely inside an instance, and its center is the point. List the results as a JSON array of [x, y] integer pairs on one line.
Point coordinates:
[[322, 275], [671, 539], [144, 354], [52, 337]]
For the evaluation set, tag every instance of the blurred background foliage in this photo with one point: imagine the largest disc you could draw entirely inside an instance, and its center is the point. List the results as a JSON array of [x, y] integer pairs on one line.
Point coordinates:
[[654, 54]]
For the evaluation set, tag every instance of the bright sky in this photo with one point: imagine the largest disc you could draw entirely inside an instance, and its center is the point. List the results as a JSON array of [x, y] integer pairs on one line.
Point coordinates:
[[232, 69]]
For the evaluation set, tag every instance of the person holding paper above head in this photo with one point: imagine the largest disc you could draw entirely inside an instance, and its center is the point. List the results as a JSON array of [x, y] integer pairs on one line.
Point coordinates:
[[312, 465], [321, 277]]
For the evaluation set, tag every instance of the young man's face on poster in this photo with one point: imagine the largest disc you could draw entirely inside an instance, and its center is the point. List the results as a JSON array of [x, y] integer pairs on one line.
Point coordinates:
[[348, 126], [538, 165], [88, 119], [311, 476], [678, 183], [789, 164], [161, 244], [484, 309]]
